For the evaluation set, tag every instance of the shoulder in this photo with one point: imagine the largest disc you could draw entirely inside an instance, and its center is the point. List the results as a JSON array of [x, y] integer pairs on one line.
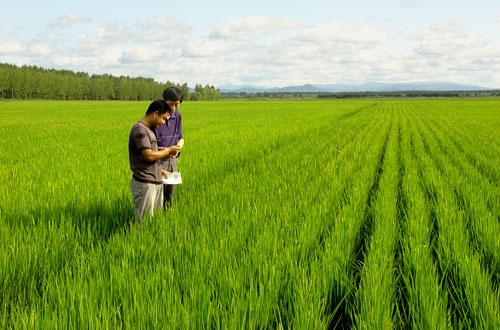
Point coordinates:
[[179, 116], [140, 131], [138, 127], [176, 115]]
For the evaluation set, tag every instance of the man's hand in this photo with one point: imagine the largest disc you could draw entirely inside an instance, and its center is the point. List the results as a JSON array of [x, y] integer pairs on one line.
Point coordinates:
[[173, 151]]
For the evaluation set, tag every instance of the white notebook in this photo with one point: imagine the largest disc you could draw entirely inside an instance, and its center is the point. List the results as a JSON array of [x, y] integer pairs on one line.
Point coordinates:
[[173, 178]]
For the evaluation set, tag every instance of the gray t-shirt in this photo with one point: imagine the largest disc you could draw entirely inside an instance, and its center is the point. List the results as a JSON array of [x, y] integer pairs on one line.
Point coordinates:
[[142, 137]]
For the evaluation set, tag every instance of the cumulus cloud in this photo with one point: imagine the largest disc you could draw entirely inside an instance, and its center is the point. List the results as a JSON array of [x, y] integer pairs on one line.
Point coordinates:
[[38, 50], [113, 33], [446, 38], [264, 50], [24, 49], [160, 22], [108, 34], [11, 48], [241, 27], [152, 30], [67, 20], [446, 24], [158, 28], [207, 48], [343, 52], [345, 32], [140, 54]]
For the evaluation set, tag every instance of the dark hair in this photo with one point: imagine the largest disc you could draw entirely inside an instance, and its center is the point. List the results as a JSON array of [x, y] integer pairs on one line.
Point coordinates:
[[173, 94], [160, 106]]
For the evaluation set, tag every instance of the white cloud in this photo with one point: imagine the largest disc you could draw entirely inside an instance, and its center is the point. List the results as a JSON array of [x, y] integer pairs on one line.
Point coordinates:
[[145, 32], [158, 28], [67, 20], [207, 48], [25, 50], [241, 27], [105, 36], [160, 22], [346, 32], [447, 24], [113, 33], [447, 39], [80, 63], [140, 54], [11, 48], [264, 50], [38, 50]]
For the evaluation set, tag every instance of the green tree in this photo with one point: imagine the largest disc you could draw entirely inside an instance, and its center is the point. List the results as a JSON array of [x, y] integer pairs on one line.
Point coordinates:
[[32, 82]]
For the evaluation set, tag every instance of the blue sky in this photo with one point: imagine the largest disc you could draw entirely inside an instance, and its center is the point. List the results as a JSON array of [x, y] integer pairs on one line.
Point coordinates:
[[265, 43]]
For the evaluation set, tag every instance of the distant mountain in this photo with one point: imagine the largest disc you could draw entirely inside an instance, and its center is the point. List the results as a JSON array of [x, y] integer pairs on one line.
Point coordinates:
[[242, 88], [367, 87], [294, 89]]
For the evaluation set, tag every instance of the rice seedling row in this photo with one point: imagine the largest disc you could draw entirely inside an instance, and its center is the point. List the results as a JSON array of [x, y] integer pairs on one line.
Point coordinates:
[[426, 300], [460, 265]]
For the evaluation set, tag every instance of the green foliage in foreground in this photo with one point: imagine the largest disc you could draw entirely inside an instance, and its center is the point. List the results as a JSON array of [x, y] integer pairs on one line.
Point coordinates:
[[360, 214]]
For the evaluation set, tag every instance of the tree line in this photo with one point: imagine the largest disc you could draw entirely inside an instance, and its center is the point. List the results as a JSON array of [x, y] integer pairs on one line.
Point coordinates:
[[33, 82]]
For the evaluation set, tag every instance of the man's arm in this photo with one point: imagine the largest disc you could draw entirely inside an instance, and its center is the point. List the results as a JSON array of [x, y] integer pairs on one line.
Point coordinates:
[[151, 156]]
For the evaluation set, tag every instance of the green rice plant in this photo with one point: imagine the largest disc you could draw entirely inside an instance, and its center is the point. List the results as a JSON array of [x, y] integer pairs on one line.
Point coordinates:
[[375, 303], [347, 238], [308, 214], [477, 193], [427, 301], [466, 280]]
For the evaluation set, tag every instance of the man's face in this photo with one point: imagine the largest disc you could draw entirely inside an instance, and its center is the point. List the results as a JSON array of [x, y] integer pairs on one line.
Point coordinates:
[[174, 105], [161, 119]]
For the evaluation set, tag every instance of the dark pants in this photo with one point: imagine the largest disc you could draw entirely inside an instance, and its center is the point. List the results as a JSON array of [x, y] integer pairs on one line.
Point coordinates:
[[168, 195], [169, 165]]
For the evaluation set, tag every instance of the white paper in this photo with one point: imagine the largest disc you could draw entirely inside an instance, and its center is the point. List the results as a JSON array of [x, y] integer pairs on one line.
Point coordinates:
[[173, 178]]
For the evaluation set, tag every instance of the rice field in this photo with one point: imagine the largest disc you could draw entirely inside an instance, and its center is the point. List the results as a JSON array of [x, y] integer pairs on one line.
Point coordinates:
[[302, 214]]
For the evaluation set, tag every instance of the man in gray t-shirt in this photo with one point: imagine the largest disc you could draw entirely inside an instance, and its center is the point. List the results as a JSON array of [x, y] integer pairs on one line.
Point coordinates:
[[144, 157]]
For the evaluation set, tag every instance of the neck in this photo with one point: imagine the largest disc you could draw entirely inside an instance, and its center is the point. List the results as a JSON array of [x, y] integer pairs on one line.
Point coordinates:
[[145, 121]]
